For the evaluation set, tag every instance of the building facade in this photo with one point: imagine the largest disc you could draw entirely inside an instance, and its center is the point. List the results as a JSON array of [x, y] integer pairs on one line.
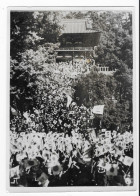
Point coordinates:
[[78, 41]]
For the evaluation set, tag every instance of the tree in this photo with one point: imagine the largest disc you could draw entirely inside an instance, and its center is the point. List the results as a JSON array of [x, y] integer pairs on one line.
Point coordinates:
[[116, 38], [34, 38], [31, 29], [75, 15], [113, 92], [27, 76]]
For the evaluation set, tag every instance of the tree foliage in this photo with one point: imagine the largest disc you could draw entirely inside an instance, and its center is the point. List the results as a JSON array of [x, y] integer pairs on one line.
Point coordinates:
[[34, 38], [113, 92], [31, 29], [116, 38]]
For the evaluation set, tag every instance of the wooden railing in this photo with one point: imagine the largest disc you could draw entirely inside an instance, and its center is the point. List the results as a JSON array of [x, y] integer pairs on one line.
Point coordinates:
[[75, 49]]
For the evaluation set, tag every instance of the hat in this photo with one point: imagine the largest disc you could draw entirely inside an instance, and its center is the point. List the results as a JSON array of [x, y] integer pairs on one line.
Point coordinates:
[[45, 154], [56, 169], [22, 134], [28, 163], [20, 156], [54, 159], [101, 170]]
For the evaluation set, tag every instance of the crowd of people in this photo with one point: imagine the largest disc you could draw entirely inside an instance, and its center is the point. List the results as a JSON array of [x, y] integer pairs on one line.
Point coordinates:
[[57, 143], [77, 67], [55, 108], [56, 159]]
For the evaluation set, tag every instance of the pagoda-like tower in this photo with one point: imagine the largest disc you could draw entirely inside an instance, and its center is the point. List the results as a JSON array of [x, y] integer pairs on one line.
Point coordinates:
[[78, 40]]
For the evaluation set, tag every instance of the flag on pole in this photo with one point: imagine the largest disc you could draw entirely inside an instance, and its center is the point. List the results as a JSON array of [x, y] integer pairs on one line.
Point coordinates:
[[126, 160], [93, 134], [98, 109]]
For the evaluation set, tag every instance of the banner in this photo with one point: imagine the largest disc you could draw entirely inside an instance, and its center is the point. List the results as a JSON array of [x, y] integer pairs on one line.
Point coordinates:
[[98, 109]]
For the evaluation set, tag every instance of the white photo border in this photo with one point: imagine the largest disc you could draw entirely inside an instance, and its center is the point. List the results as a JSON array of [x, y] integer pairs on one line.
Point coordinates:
[[135, 131]]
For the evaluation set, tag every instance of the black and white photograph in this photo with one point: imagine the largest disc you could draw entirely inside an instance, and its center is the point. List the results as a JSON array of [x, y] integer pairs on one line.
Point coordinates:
[[71, 98]]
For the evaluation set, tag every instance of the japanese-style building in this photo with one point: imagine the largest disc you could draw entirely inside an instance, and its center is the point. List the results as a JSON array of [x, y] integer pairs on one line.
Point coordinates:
[[78, 41]]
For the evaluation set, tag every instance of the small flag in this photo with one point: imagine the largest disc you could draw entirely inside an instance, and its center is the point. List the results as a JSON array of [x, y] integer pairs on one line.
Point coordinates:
[[93, 134], [25, 114], [13, 111], [69, 100], [46, 183], [111, 170], [118, 151], [71, 112], [14, 172], [108, 134], [98, 109], [126, 160], [43, 178]]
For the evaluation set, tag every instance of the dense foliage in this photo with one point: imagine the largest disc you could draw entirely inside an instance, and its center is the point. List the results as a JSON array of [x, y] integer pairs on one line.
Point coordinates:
[[34, 38], [114, 51], [31, 29], [116, 95], [115, 47]]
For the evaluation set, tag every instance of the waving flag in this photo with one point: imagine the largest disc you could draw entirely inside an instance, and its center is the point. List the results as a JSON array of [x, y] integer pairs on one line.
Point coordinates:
[[14, 172], [88, 154], [98, 109], [93, 134], [14, 112], [26, 115], [111, 169], [43, 178], [126, 160]]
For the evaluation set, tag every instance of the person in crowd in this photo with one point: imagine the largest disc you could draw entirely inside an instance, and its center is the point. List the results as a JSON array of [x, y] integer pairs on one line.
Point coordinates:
[[50, 145]]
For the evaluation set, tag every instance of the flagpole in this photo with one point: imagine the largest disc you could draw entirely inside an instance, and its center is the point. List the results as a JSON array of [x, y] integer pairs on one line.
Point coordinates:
[[101, 121]]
